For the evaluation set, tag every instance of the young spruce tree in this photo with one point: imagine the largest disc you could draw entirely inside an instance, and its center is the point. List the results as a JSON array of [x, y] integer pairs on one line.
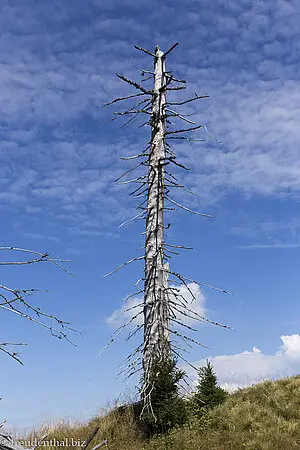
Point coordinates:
[[169, 408], [208, 394]]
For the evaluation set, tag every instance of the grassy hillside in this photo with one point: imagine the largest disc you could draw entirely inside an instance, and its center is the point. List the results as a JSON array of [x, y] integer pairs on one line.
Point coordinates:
[[265, 416]]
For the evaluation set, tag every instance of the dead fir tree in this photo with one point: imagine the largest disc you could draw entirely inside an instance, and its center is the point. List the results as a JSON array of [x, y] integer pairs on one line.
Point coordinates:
[[163, 304]]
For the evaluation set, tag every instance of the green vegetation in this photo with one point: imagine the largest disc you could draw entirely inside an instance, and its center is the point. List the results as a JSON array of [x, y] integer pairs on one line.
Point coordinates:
[[169, 409], [262, 417], [208, 394]]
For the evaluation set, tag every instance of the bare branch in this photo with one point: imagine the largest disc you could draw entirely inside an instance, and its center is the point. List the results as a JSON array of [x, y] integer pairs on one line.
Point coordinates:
[[182, 324], [143, 71], [144, 50], [187, 339], [124, 113], [172, 159], [178, 246], [55, 332], [209, 133], [42, 257], [175, 79], [14, 355], [209, 286], [90, 438], [181, 357], [170, 49], [135, 180], [105, 442], [119, 99], [138, 216], [133, 83], [175, 114], [188, 209], [123, 265], [130, 120], [185, 130], [185, 138], [127, 158], [197, 97], [193, 314], [128, 171], [176, 88]]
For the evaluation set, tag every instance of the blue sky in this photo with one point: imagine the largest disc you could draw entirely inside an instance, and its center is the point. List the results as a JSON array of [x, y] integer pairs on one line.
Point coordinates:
[[59, 158]]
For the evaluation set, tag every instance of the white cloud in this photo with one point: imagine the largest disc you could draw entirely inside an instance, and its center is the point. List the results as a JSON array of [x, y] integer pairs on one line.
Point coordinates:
[[122, 315], [250, 367], [291, 347]]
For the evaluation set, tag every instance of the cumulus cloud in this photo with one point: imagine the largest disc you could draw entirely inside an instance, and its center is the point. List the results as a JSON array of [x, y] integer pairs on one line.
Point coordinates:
[[250, 367], [133, 306]]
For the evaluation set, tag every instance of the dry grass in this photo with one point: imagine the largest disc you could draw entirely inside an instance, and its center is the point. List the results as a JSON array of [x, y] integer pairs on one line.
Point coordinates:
[[262, 417]]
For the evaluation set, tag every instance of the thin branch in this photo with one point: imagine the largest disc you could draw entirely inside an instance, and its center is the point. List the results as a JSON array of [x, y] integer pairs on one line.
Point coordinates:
[[178, 246], [176, 88], [170, 49], [59, 334], [118, 331], [176, 79], [130, 120], [187, 339], [13, 355], [197, 97], [90, 438], [143, 71], [138, 216], [180, 116], [188, 209], [127, 158], [132, 112], [43, 257], [172, 159], [181, 357], [198, 316], [123, 265], [144, 50], [133, 83], [185, 138], [135, 180], [105, 442], [209, 286], [182, 324], [184, 130], [129, 170], [119, 99]]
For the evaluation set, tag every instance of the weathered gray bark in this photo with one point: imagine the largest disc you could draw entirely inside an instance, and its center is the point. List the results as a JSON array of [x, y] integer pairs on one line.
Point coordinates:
[[156, 313]]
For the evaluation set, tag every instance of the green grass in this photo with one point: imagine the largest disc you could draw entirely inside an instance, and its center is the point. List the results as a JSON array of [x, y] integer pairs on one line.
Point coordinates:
[[262, 417]]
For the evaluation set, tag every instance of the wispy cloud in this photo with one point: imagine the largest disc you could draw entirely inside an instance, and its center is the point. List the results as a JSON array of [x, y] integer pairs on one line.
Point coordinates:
[[269, 246], [38, 236], [54, 77]]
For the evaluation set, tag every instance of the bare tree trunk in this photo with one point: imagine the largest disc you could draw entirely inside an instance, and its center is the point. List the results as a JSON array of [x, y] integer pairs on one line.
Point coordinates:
[[163, 304], [156, 314]]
